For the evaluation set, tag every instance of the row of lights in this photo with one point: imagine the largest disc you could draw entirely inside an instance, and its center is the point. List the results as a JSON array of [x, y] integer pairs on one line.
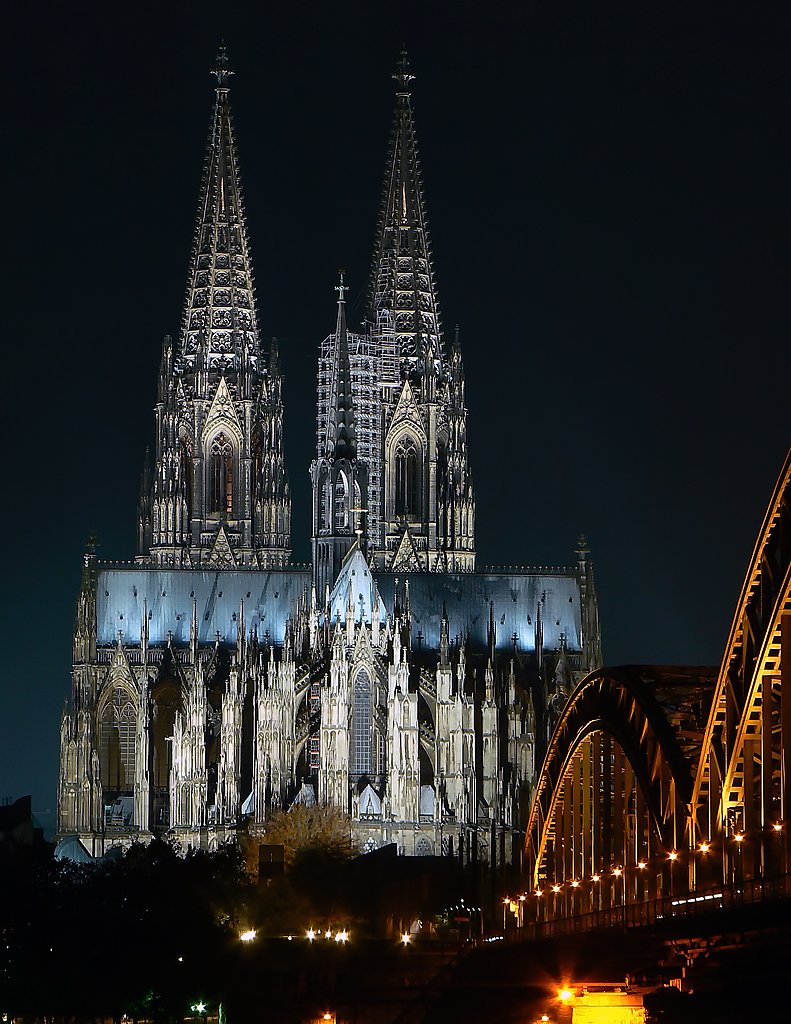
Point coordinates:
[[703, 847], [341, 936]]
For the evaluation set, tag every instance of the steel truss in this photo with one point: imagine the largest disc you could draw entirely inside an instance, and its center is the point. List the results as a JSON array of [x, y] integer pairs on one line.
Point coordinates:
[[659, 782]]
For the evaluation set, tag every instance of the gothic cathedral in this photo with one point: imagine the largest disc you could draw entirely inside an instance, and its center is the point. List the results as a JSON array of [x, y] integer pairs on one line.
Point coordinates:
[[213, 680]]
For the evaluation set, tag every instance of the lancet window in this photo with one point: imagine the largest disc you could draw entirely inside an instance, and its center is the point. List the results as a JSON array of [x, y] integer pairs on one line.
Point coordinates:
[[221, 476], [341, 511], [362, 730], [407, 478], [117, 743]]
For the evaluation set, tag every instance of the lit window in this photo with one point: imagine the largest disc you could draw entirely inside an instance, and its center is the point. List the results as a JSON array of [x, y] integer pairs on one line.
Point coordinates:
[[407, 478], [221, 476]]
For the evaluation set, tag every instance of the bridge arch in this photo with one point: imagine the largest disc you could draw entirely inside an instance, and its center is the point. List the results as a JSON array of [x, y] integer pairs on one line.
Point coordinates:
[[616, 782], [742, 792]]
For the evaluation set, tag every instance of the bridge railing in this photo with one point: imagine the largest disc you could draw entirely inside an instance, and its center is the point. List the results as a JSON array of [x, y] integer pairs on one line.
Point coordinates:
[[647, 913]]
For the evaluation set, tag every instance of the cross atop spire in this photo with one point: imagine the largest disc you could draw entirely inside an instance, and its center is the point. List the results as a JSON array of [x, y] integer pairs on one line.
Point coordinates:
[[344, 440], [222, 70], [341, 288], [403, 74], [402, 277]]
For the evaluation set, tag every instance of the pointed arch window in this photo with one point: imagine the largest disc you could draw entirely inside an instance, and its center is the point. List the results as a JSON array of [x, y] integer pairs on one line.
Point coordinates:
[[117, 743], [407, 478], [341, 510], [221, 476], [362, 725]]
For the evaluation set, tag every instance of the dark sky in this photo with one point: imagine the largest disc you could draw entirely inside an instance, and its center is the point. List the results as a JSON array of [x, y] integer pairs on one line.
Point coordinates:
[[609, 204]]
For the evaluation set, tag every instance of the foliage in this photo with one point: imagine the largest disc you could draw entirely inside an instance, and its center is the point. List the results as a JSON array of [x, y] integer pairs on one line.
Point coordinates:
[[311, 836], [111, 937]]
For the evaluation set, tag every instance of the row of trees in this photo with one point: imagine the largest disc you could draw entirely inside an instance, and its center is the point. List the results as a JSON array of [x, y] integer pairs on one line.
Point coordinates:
[[150, 933]]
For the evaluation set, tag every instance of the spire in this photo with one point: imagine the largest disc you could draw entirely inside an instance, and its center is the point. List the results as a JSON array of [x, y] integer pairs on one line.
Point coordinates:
[[343, 444], [222, 70], [220, 330], [402, 280], [444, 642]]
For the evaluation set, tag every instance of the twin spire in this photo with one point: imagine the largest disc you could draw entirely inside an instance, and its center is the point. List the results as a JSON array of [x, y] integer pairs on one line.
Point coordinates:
[[219, 335], [402, 278]]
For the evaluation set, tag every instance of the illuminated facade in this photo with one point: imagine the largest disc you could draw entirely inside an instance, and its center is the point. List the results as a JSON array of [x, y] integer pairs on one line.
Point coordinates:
[[215, 681]]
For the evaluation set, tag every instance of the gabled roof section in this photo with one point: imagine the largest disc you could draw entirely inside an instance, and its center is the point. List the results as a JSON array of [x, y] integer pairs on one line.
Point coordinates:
[[402, 278], [222, 412], [406, 557], [355, 573], [221, 555], [220, 330]]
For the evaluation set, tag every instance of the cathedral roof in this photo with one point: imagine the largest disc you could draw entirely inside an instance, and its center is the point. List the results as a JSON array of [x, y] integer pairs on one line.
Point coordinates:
[[402, 277], [220, 330], [270, 597], [470, 598], [355, 574]]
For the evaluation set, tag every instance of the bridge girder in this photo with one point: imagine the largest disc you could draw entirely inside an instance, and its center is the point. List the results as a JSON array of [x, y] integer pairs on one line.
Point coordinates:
[[616, 784], [743, 782], [677, 756]]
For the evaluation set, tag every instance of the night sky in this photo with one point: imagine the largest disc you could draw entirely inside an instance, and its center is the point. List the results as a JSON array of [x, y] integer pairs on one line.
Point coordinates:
[[610, 215]]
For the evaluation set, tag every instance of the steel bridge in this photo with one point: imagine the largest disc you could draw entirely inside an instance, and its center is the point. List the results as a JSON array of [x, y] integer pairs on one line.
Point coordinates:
[[668, 790]]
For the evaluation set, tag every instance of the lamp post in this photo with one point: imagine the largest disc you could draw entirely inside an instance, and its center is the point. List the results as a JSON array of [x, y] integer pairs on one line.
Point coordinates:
[[672, 858], [538, 894], [619, 873], [777, 829], [574, 902], [739, 840], [704, 846]]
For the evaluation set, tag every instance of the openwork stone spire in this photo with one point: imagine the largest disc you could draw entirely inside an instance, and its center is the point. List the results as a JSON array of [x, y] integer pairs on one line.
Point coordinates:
[[218, 494], [402, 279], [219, 335]]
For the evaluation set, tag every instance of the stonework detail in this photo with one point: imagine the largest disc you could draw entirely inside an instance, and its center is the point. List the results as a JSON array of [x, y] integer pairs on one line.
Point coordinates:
[[214, 682]]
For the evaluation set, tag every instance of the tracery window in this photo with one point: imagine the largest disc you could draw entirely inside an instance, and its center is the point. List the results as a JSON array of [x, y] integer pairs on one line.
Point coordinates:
[[362, 725], [221, 476], [117, 743], [407, 478], [341, 511]]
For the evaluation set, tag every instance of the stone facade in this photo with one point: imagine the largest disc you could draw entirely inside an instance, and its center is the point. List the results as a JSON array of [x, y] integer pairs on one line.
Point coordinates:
[[214, 681]]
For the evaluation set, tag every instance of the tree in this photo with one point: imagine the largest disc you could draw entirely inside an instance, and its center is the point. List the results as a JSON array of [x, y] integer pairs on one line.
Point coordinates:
[[311, 835]]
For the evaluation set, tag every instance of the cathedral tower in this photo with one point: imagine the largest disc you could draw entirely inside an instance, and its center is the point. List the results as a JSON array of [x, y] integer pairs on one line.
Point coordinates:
[[218, 494], [213, 682], [426, 511], [407, 394], [340, 479]]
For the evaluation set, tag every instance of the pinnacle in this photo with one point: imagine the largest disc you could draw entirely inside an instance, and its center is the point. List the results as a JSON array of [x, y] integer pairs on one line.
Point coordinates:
[[222, 70], [403, 72]]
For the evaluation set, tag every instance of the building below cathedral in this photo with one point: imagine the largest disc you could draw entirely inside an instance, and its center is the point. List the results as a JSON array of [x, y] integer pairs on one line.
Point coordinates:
[[213, 680]]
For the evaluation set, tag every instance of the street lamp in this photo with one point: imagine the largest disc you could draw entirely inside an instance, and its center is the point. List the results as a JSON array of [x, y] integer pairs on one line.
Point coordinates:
[[782, 864], [739, 840], [672, 857]]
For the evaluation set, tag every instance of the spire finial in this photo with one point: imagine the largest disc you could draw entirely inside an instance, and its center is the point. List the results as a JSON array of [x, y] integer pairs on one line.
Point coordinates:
[[222, 70], [341, 288], [403, 74]]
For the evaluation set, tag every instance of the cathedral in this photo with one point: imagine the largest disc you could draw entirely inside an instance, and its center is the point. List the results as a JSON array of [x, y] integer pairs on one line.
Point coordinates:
[[214, 681]]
